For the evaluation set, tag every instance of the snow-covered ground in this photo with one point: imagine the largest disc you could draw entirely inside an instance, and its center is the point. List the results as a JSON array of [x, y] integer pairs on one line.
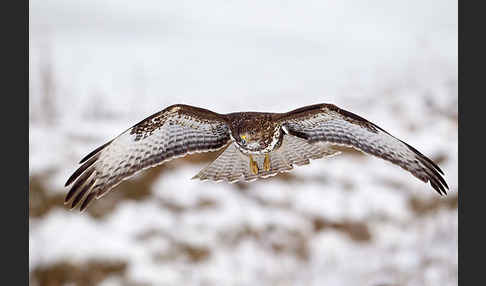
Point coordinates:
[[98, 67]]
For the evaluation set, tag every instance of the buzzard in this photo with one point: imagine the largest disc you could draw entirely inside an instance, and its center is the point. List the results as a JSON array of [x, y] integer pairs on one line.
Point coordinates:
[[257, 145]]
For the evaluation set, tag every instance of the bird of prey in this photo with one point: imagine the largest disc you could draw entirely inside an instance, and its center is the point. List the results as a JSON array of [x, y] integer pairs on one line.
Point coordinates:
[[257, 145]]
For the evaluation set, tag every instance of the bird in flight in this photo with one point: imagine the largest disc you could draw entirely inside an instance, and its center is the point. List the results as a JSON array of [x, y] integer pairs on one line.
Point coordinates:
[[256, 145]]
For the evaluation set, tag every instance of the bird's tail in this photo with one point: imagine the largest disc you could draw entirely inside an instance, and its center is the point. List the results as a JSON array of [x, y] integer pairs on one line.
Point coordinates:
[[233, 166]]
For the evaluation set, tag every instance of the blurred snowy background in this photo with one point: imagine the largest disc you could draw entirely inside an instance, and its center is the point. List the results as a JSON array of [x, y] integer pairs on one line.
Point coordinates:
[[99, 66]]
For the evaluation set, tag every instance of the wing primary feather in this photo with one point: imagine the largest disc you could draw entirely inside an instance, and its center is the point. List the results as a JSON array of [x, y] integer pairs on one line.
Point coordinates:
[[440, 178], [87, 201], [94, 152], [80, 170], [437, 186], [81, 194], [437, 180], [79, 182], [423, 157]]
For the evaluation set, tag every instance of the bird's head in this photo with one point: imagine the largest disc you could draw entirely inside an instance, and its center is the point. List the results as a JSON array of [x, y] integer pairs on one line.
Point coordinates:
[[256, 140], [254, 132]]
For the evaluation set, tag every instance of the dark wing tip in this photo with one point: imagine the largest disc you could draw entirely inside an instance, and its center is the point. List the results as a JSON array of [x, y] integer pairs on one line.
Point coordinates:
[[87, 161], [81, 170], [86, 189], [438, 186], [423, 157], [78, 184], [72, 178], [434, 175], [87, 201]]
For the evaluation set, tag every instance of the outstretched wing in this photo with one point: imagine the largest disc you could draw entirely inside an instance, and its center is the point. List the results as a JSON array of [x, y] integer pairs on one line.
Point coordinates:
[[329, 123], [174, 132]]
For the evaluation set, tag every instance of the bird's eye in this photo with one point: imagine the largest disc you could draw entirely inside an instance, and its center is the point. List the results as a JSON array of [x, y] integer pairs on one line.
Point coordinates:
[[243, 139]]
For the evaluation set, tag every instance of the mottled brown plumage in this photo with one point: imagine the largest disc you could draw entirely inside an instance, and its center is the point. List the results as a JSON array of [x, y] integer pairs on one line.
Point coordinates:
[[261, 128], [257, 145]]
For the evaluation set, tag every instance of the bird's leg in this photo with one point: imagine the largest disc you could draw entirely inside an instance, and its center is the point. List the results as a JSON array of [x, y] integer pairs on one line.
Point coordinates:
[[266, 163], [253, 166]]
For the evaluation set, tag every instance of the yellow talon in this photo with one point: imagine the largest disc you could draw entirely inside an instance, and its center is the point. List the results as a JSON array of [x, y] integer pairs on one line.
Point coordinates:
[[253, 166], [266, 163]]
